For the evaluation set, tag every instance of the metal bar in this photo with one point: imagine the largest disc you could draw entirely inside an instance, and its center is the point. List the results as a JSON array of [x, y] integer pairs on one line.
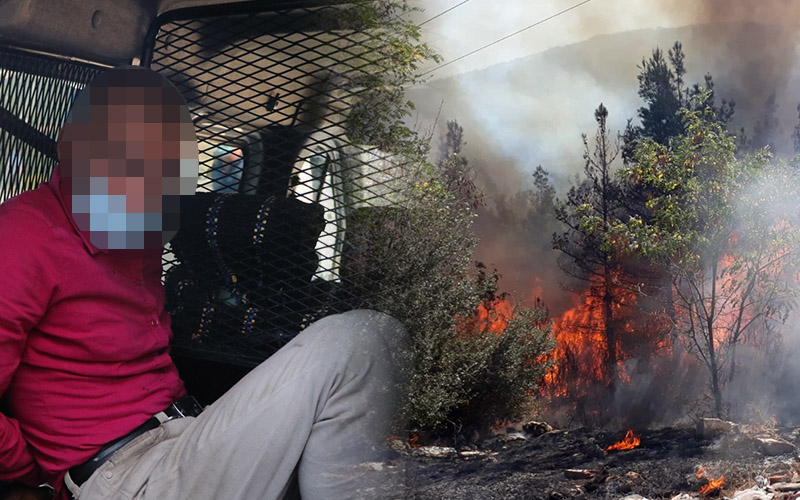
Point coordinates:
[[27, 134], [52, 65]]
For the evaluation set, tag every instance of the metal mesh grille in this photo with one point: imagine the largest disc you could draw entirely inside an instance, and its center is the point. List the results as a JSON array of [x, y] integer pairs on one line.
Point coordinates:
[[265, 246], [35, 95]]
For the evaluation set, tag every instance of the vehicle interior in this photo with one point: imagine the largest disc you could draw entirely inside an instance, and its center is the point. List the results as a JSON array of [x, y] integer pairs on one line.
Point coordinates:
[[263, 246]]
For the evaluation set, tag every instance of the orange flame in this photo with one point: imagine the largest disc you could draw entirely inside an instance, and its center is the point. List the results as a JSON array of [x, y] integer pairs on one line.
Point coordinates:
[[712, 485], [582, 349], [492, 315], [630, 442]]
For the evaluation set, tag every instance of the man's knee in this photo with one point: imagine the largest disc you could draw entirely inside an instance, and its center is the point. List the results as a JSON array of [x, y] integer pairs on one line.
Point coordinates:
[[364, 337]]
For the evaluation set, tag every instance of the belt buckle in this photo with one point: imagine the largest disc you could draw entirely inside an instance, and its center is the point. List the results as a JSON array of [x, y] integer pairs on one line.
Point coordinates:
[[187, 407]]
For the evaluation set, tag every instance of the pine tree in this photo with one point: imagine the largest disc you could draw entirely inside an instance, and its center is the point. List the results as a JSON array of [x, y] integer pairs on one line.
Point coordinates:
[[662, 87], [589, 211]]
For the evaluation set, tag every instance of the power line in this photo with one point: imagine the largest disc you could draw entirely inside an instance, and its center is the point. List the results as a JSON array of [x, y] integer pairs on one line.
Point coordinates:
[[537, 23], [444, 12]]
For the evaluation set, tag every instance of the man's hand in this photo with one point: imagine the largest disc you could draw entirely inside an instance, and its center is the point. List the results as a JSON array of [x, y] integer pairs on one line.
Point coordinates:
[[20, 492]]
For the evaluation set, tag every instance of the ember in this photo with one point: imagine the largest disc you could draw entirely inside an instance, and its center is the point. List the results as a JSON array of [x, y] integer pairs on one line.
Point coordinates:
[[630, 442]]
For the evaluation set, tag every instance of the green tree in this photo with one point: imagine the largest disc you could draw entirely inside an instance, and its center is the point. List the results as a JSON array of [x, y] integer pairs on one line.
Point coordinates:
[[590, 210], [411, 253], [727, 257], [382, 59], [662, 87], [767, 128]]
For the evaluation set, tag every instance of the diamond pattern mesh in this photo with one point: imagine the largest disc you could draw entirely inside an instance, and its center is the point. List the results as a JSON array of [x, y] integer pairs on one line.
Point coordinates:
[[35, 95], [272, 238], [265, 246]]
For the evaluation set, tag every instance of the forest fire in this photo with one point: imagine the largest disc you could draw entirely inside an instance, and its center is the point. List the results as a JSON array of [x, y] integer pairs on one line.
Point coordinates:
[[630, 442], [580, 348], [492, 315], [582, 357], [679, 255]]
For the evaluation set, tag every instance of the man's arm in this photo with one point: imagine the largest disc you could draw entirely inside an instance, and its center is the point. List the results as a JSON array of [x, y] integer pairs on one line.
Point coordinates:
[[28, 287]]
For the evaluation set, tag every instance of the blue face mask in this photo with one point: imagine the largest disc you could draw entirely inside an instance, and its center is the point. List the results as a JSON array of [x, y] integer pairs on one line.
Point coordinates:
[[105, 218]]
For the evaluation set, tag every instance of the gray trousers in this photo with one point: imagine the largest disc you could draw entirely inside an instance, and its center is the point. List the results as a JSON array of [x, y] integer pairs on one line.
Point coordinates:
[[312, 420]]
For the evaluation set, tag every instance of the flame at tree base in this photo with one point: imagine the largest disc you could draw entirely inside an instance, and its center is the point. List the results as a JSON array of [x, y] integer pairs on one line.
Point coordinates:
[[630, 442], [637, 326]]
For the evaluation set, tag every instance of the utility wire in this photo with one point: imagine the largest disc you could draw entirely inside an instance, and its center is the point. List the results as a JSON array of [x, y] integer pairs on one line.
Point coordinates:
[[444, 12], [537, 23]]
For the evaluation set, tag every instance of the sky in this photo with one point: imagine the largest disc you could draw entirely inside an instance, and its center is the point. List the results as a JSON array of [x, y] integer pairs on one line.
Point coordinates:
[[479, 22]]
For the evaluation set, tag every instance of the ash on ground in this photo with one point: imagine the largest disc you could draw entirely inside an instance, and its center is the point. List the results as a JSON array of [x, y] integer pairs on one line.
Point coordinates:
[[680, 463]]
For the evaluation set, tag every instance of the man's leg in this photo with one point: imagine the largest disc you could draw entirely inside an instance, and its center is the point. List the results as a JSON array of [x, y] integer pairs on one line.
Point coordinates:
[[316, 408]]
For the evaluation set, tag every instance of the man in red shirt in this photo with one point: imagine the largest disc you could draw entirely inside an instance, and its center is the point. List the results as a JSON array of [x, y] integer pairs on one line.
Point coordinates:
[[94, 400]]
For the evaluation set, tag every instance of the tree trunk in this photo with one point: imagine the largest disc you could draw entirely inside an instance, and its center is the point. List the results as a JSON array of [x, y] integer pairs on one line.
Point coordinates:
[[717, 391], [673, 330], [716, 388], [610, 334]]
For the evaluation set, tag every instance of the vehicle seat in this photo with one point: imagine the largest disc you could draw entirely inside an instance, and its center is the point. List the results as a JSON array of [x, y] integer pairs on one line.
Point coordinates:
[[243, 281]]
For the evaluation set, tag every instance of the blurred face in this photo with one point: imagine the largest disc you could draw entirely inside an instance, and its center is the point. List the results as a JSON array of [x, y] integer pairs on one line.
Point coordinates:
[[127, 157]]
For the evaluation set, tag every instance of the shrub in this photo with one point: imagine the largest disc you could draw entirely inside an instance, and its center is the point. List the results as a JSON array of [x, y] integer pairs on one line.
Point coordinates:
[[415, 262]]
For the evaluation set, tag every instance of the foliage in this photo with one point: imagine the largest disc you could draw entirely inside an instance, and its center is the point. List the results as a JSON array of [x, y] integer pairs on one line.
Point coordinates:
[[391, 52], [590, 207], [767, 128], [531, 208], [503, 386], [728, 258], [661, 86], [457, 176], [415, 260]]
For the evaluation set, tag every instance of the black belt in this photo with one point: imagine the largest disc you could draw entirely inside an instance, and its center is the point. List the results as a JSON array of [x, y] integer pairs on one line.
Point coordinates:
[[184, 407]]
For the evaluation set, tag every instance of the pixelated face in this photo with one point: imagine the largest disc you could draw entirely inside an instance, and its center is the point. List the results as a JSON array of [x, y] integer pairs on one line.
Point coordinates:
[[128, 152]]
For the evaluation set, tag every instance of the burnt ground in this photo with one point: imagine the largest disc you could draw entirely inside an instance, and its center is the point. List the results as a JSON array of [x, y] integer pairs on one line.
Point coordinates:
[[663, 466]]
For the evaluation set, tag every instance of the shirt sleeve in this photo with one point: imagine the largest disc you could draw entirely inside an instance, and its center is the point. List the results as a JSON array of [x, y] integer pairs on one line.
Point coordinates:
[[28, 285]]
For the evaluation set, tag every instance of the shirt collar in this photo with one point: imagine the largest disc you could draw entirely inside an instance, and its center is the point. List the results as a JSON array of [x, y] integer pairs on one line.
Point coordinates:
[[55, 185]]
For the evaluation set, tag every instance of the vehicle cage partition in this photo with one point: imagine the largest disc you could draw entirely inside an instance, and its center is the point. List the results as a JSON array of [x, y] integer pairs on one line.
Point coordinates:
[[36, 92], [265, 245]]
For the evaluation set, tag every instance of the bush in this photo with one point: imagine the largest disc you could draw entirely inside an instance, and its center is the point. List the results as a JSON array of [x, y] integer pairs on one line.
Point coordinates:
[[504, 387], [415, 262]]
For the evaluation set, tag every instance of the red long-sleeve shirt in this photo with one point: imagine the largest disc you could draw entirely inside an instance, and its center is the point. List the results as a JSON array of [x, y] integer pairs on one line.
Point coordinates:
[[84, 340]]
